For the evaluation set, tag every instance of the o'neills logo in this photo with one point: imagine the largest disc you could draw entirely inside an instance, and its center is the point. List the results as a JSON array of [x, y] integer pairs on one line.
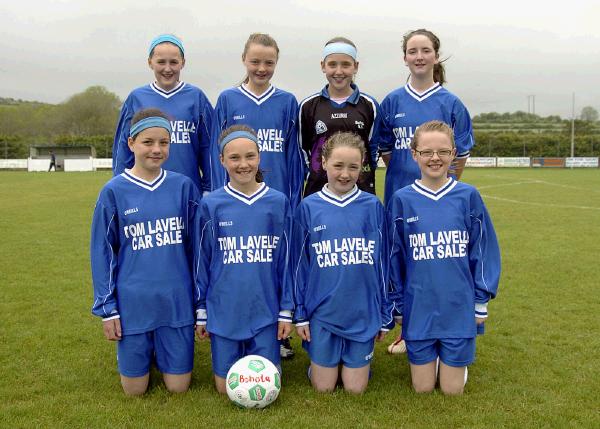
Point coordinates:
[[255, 378]]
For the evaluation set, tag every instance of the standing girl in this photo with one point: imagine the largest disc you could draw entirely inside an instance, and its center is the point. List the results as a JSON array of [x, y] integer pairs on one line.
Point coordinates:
[[142, 261], [188, 109], [339, 107], [422, 99], [270, 111], [445, 264], [243, 282], [339, 274]]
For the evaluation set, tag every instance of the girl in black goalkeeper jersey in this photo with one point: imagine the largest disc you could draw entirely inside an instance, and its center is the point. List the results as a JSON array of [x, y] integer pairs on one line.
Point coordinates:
[[338, 107]]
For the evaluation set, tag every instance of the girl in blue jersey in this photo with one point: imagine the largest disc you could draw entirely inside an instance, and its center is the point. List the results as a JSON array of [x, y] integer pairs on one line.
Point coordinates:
[[272, 112], [422, 99], [188, 109], [340, 271], [142, 263], [444, 264], [338, 107], [243, 283]]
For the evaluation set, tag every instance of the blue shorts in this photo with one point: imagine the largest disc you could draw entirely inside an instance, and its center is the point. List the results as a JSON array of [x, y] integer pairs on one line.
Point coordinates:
[[173, 349], [455, 352], [226, 352], [329, 350]]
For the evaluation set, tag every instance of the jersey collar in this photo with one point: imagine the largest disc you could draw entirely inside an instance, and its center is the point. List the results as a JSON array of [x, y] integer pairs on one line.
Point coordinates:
[[420, 96], [247, 199], [257, 99], [353, 99], [151, 186], [167, 94], [434, 195], [342, 201]]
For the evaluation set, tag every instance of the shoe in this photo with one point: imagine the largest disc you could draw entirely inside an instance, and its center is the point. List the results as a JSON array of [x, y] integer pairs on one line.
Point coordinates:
[[397, 347], [285, 349], [466, 375]]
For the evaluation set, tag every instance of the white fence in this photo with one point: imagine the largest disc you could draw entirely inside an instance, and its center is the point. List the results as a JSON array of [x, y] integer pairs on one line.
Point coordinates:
[[581, 162], [103, 163], [92, 164], [79, 164], [481, 162], [14, 164]]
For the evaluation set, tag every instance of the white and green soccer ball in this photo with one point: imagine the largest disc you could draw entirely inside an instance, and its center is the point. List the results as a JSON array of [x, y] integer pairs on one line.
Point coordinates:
[[253, 382]]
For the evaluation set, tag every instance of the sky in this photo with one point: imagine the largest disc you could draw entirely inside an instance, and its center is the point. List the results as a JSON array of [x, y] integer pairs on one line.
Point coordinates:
[[498, 53]]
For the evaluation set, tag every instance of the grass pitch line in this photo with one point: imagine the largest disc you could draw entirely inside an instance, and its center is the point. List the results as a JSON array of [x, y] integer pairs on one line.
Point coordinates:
[[530, 203], [560, 185], [527, 182]]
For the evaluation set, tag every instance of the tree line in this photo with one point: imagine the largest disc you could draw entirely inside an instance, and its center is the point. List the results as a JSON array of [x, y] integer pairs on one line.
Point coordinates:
[[89, 118]]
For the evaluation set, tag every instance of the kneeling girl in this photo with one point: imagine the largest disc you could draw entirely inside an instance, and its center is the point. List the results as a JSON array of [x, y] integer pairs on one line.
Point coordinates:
[[340, 271], [243, 281]]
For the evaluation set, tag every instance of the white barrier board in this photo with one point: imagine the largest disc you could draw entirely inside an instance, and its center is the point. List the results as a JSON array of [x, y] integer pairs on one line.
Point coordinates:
[[513, 162], [38, 164], [481, 162], [103, 163], [79, 164], [14, 163], [581, 162]]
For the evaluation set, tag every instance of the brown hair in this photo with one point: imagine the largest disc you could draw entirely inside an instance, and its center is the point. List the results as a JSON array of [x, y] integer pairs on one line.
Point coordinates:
[[345, 139], [147, 113], [241, 127], [259, 39], [340, 39], [432, 126], [439, 73]]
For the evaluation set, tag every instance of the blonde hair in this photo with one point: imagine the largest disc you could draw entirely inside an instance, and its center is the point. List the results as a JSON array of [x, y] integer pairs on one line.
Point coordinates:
[[432, 126]]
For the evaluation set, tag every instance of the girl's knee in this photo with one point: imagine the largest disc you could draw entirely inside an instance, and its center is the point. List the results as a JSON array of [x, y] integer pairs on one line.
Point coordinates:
[[135, 386], [355, 388], [454, 387], [322, 386], [177, 383], [423, 386]]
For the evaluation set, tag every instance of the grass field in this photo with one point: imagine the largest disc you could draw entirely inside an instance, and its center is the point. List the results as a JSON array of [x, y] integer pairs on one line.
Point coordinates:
[[537, 365]]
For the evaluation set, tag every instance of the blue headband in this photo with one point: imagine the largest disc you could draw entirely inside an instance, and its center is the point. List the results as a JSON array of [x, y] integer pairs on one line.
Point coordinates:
[[151, 122], [339, 48], [236, 135], [166, 38]]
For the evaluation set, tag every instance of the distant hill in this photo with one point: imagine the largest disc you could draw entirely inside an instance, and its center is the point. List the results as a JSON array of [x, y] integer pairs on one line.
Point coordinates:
[[7, 101]]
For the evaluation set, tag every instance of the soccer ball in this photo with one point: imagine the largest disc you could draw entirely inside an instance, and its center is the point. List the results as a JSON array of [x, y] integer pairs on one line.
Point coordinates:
[[253, 382]]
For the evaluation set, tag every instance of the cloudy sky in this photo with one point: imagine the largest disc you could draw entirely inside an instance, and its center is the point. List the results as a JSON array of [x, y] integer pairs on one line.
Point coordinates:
[[499, 52]]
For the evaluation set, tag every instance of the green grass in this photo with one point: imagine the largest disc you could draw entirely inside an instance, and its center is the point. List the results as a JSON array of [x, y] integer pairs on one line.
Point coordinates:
[[537, 365]]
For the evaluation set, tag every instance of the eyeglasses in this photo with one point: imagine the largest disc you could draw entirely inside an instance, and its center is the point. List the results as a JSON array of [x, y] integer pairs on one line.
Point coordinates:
[[428, 153]]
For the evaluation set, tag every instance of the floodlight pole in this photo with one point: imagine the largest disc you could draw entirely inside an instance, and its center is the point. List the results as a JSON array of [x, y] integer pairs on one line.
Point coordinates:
[[573, 127]]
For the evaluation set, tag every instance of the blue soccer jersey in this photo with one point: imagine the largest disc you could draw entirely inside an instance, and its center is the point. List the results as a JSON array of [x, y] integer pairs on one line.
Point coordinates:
[[444, 260], [340, 264], [142, 251], [402, 111], [273, 116], [243, 279], [190, 114]]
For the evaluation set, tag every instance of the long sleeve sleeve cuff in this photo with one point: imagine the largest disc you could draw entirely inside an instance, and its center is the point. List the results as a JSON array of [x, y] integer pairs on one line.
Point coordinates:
[[201, 316], [285, 316], [111, 317], [481, 311]]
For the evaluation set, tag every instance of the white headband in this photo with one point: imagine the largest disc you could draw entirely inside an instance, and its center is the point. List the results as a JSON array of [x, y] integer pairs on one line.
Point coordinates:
[[339, 48]]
